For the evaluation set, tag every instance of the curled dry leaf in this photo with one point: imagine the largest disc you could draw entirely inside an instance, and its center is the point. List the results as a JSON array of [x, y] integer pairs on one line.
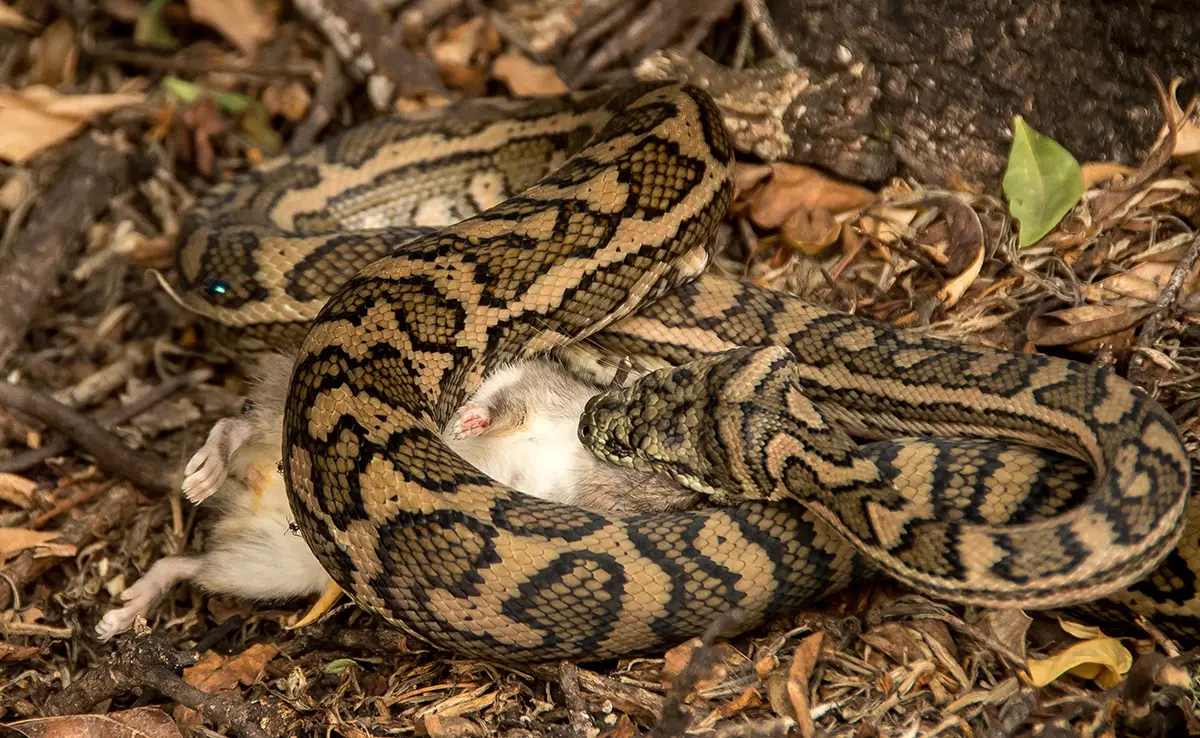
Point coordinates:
[[1008, 626], [1187, 139], [525, 77], [803, 662], [953, 290], [246, 23], [435, 726], [462, 56], [792, 187], [216, 672], [12, 653], [140, 722], [1103, 660]]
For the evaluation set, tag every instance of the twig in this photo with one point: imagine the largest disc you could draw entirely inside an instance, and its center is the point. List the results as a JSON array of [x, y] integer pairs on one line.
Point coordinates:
[[115, 506], [59, 445], [1166, 302], [331, 91], [147, 661], [192, 66], [90, 176], [577, 713], [143, 469], [757, 10], [360, 35]]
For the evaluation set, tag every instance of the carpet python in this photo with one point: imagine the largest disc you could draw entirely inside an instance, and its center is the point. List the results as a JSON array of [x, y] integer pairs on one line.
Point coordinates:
[[408, 258]]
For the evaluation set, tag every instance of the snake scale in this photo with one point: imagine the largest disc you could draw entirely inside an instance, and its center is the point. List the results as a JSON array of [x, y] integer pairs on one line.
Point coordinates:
[[409, 257]]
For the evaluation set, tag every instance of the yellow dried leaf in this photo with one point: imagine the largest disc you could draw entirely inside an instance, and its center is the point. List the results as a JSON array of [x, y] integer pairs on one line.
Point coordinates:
[[810, 231], [1103, 660], [1079, 630], [803, 662], [527, 78]]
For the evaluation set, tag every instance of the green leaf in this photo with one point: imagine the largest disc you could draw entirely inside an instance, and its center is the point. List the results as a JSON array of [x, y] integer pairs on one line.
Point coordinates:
[[151, 30], [1042, 183], [337, 666], [230, 102]]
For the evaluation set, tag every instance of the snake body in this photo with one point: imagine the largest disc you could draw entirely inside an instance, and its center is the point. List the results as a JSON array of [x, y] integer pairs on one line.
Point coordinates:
[[409, 258]]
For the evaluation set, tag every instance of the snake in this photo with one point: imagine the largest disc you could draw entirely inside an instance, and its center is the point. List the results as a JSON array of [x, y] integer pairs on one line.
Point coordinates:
[[406, 259]]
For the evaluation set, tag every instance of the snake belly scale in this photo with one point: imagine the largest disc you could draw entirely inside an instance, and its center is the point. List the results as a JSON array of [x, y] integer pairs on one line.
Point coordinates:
[[408, 258]]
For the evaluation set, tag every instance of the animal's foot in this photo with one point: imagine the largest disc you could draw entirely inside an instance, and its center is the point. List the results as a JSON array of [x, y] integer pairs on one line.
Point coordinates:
[[140, 596], [209, 467]]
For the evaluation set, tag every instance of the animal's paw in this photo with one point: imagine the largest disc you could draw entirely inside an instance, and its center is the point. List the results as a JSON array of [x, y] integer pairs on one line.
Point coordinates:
[[472, 420], [209, 467], [140, 596]]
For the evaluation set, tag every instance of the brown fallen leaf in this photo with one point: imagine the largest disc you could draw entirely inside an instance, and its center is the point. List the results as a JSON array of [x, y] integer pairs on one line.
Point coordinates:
[[140, 722], [291, 100], [15, 540], [215, 672], [1138, 285], [56, 54], [1008, 626], [677, 660], [810, 231], [792, 186], [1082, 327], [749, 698], [10, 652], [246, 23], [625, 729], [525, 77], [803, 662], [462, 55], [954, 288]]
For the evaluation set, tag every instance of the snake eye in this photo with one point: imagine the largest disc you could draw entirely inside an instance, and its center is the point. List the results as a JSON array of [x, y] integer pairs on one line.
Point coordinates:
[[214, 286], [247, 406]]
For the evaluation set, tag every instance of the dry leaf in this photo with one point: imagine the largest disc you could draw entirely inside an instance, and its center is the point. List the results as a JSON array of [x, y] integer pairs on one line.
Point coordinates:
[[291, 101], [10, 18], [1103, 660], [1095, 172], [140, 722], [750, 697], [449, 727], [246, 23], [1187, 142], [803, 662], [15, 540], [17, 490], [215, 672], [1083, 326], [461, 57], [887, 224], [525, 77], [953, 290], [625, 729], [56, 54], [792, 186], [1141, 284], [677, 660], [1008, 626], [10, 652], [810, 231], [38, 118]]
